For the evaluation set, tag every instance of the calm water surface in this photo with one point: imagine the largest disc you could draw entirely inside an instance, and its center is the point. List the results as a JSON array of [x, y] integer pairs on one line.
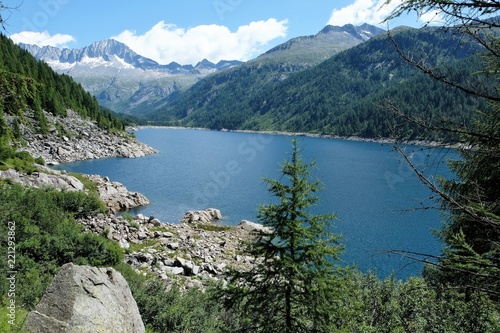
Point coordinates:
[[376, 197]]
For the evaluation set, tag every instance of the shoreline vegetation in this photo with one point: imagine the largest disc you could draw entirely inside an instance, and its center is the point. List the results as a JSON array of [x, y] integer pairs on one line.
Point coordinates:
[[424, 143], [47, 228]]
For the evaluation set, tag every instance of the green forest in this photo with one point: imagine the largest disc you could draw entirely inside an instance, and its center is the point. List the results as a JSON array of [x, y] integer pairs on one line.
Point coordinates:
[[346, 95], [299, 284], [28, 84]]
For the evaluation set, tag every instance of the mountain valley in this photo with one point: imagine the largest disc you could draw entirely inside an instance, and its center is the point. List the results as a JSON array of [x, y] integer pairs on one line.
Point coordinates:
[[121, 79], [337, 82], [126, 82]]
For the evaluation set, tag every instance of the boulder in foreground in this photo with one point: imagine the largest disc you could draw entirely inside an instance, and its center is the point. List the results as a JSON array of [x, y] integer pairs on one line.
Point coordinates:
[[86, 299]]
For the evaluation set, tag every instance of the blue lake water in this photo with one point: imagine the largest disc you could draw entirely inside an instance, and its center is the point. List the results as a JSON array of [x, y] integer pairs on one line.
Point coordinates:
[[375, 195]]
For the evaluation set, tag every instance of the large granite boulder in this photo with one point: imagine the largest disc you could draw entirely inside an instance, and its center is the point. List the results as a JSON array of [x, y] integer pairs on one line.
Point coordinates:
[[202, 216], [254, 227], [86, 299]]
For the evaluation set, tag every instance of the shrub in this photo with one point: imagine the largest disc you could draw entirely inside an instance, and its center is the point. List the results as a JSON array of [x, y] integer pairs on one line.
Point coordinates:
[[47, 236], [173, 311], [40, 160]]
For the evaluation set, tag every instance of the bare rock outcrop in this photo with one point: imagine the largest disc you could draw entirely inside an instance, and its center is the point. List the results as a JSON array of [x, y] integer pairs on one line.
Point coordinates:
[[116, 196], [42, 179], [187, 254], [255, 228], [86, 299], [74, 138]]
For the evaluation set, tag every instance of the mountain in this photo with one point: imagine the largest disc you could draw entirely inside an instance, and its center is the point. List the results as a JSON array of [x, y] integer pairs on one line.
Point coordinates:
[[311, 50], [126, 82], [339, 96], [120, 78], [231, 89], [112, 53], [28, 83]]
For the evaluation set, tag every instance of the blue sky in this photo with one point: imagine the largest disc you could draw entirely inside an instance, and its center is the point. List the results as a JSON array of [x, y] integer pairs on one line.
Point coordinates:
[[189, 30]]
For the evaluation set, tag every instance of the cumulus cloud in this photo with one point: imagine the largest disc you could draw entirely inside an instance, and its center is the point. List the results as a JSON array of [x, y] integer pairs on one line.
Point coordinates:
[[432, 17], [42, 38], [363, 11], [165, 43], [372, 12]]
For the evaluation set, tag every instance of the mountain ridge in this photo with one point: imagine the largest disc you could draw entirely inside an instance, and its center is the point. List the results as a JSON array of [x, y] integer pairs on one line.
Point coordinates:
[[128, 83], [108, 48], [340, 96], [121, 79], [362, 32]]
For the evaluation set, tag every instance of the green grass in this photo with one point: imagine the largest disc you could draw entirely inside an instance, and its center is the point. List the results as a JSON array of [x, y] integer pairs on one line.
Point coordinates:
[[20, 315], [213, 227], [87, 183], [143, 245]]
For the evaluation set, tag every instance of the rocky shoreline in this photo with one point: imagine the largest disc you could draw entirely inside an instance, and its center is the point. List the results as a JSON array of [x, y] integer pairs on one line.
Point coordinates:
[[115, 196], [73, 138], [387, 141], [195, 254]]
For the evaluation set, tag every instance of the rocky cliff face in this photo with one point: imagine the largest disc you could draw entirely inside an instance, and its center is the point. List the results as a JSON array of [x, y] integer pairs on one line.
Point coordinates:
[[74, 139], [86, 299]]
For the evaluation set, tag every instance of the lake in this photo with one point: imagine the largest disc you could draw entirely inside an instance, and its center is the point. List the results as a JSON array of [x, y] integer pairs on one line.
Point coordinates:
[[379, 202]]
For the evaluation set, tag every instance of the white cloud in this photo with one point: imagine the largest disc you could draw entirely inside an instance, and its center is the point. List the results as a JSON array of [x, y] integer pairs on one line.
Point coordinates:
[[165, 43], [432, 17], [363, 11], [373, 12], [42, 38]]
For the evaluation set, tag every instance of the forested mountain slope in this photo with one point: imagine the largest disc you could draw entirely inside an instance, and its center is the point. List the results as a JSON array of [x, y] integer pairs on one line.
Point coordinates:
[[121, 79], [29, 87], [267, 70], [343, 95]]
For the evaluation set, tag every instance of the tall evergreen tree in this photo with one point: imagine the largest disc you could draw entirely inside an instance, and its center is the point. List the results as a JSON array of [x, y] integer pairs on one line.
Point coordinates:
[[292, 288], [471, 257]]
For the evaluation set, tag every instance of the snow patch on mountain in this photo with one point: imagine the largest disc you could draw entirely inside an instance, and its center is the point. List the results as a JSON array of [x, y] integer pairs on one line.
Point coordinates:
[[120, 78]]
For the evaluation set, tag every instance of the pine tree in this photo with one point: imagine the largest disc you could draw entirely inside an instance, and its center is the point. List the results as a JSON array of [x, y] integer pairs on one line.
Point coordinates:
[[292, 288], [472, 199], [471, 257]]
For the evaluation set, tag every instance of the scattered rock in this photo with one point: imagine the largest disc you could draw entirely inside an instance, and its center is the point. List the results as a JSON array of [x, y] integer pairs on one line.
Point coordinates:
[[254, 227], [83, 140], [177, 253], [173, 246], [86, 299], [175, 270], [124, 244]]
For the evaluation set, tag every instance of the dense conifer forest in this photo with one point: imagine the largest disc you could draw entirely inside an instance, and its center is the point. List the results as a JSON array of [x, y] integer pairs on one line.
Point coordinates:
[[300, 285], [28, 84], [346, 95]]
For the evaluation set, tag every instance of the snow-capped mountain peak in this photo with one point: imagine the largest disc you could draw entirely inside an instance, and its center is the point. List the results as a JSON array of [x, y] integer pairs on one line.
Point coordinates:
[[107, 53], [120, 78]]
